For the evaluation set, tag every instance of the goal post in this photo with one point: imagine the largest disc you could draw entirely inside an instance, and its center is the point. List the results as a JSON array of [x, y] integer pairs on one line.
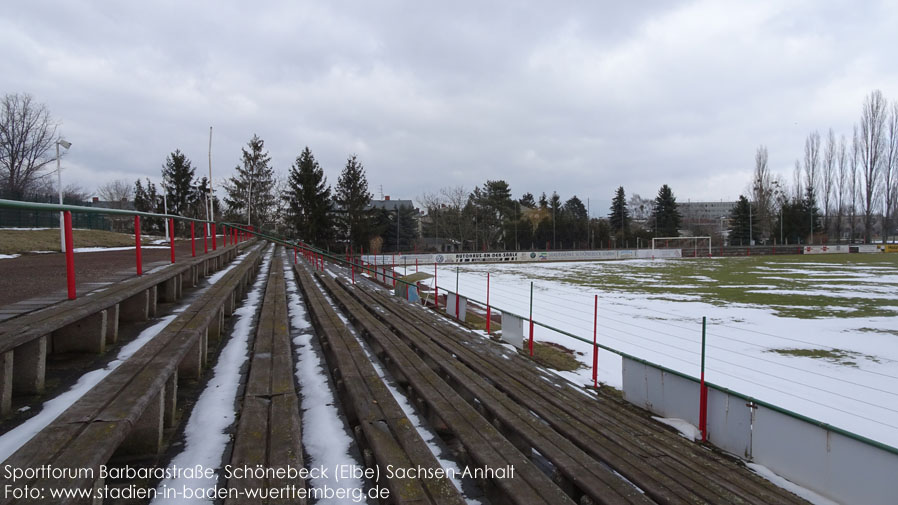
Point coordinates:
[[696, 243]]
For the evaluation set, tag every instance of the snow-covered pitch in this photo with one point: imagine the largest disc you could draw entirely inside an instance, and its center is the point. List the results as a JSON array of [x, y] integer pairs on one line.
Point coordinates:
[[818, 337]]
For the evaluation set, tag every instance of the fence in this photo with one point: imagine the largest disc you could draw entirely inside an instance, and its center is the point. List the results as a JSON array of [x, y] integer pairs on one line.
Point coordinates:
[[229, 232], [25, 218], [833, 462]]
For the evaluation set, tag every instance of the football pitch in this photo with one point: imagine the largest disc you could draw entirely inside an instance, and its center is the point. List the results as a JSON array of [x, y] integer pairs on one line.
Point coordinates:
[[816, 334]]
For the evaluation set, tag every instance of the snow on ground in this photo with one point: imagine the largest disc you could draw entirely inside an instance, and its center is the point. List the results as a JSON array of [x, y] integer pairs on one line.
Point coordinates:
[[857, 393], [802, 492], [440, 452], [50, 410], [205, 434], [8, 256], [123, 248], [324, 433], [12, 440], [686, 429]]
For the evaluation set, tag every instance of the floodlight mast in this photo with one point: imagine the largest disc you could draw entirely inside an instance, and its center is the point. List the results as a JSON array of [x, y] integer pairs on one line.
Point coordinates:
[[65, 144], [211, 214]]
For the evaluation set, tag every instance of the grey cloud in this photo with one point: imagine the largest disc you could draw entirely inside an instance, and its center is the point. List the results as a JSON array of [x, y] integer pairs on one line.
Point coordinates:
[[573, 97]]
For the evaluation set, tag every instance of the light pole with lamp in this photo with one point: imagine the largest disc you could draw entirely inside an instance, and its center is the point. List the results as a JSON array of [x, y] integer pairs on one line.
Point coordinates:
[[65, 144], [750, 238]]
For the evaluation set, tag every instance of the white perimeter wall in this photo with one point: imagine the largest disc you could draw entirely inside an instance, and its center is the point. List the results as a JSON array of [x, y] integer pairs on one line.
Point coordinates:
[[521, 256], [845, 469]]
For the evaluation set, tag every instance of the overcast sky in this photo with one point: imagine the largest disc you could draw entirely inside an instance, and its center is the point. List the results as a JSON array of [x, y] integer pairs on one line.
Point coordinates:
[[578, 97]]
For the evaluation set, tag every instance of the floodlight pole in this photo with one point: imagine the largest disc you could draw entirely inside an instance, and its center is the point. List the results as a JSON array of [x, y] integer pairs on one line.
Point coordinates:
[[749, 224], [211, 214], [66, 145]]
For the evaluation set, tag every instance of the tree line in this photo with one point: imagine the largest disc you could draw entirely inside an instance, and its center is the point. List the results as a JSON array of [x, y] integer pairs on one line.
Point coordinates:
[[301, 205], [844, 188], [488, 218]]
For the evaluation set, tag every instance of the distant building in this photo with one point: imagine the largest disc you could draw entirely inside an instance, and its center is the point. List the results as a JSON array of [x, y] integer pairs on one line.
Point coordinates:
[[393, 205], [710, 216], [124, 203], [388, 204]]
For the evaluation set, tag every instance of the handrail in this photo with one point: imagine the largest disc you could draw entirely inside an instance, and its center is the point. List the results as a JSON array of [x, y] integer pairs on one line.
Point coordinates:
[[55, 207]]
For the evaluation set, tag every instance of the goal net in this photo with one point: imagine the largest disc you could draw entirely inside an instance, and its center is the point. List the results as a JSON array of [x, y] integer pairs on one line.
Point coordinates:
[[691, 246]]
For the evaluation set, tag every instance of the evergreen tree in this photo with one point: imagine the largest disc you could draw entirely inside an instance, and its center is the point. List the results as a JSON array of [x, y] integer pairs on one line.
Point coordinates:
[[386, 227], [199, 197], [743, 226], [250, 193], [528, 201], [619, 219], [309, 198], [141, 198], [353, 200], [574, 223], [553, 218], [665, 216], [177, 181], [493, 206], [147, 200], [812, 213]]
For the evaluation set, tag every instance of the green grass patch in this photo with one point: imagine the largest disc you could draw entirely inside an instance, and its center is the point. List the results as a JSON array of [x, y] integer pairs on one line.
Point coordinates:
[[837, 356], [554, 356], [24, 241]]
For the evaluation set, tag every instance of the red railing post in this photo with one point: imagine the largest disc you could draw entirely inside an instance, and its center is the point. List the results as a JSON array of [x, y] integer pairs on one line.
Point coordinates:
[[192, 241], [530, 344], [595, 347], [487, 302], [171, 239], [137, 245], [214, 239], [416, 265], [205, 243], [294, 255], [703, 398], [436, 290], [69, 254]]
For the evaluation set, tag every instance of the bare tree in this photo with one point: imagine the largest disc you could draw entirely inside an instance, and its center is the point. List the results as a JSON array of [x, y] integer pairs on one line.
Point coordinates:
[[828, 177], [890, 171], [459, 213], [763, 192], [449, 214], [640, 208], [281, 206], [872, 144], [74, 194], [812, 162], [797, 184], [27, 135], [116, 192], [855, 180], [842, 188]]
